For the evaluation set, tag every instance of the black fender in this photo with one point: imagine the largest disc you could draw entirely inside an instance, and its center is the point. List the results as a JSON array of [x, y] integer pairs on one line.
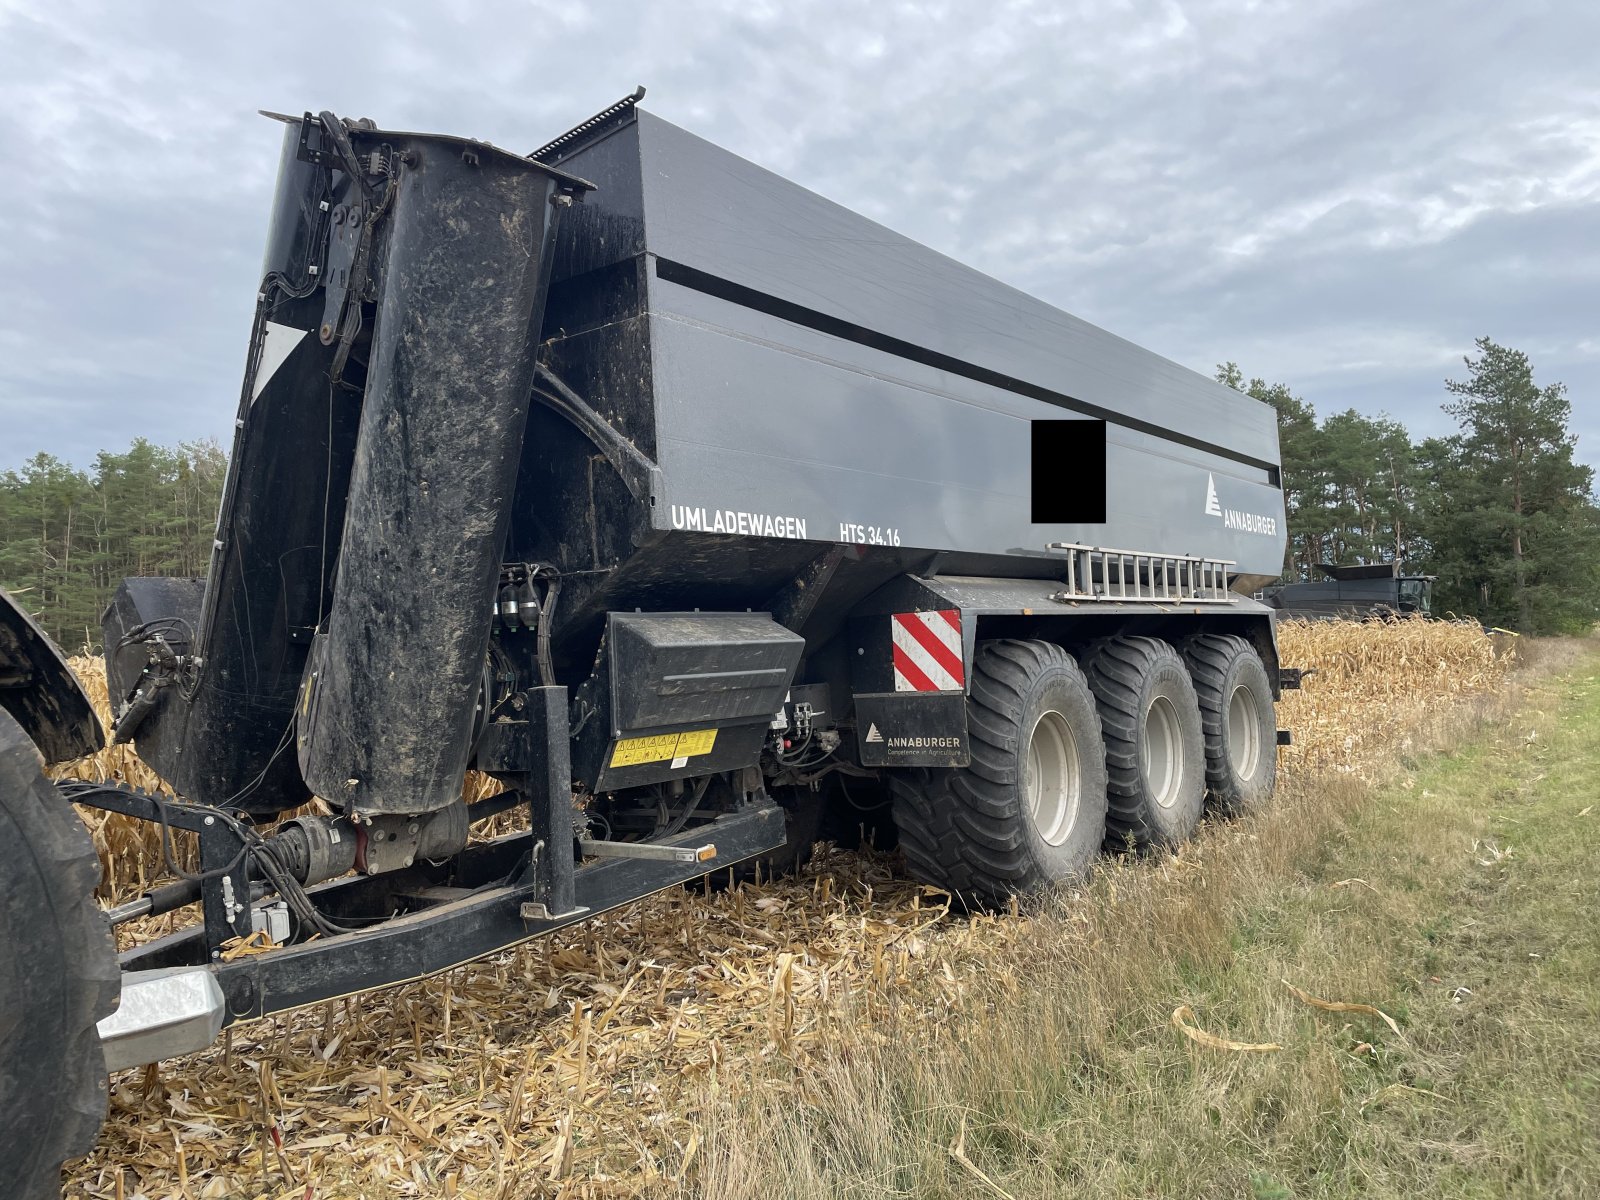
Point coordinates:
[[40, 691]]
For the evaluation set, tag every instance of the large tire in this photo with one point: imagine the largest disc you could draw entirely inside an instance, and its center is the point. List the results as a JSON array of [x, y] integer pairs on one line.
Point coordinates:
[[1155, 750], [1241, 726], [58, 977], [1029, 811]]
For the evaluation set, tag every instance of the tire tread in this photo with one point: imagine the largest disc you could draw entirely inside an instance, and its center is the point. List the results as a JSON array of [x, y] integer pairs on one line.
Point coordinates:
[[1116, 668], [1210, 656], [60, 848], [959, 828]]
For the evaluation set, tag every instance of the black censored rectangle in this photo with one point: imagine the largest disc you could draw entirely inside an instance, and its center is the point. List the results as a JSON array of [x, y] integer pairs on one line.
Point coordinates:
[[1069, 472]]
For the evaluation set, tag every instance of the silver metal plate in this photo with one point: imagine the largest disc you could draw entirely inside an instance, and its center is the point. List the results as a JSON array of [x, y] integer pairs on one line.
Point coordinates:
[[164, 1013]]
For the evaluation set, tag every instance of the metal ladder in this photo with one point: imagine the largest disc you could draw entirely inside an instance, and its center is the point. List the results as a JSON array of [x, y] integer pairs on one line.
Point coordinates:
[[1098, 573]]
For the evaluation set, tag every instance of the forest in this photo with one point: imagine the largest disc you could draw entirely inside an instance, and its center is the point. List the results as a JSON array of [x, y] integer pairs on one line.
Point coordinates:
[[68, 536], [1501, 512]]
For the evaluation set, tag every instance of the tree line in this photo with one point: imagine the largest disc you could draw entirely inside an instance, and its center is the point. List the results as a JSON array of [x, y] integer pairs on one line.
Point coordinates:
[[1500, 511], [69, 536]]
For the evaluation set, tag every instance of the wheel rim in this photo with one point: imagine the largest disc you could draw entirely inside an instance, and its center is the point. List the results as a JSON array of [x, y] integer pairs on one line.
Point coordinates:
[[1161, 752], [1243, 733], [1052, 778]]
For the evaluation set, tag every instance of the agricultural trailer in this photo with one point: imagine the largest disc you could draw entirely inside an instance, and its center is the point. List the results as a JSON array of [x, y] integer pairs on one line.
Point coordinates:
[[1354, 592], [692, 508]]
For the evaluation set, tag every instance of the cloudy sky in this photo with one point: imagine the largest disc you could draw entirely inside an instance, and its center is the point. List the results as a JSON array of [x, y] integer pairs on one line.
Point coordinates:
[[1338, 194]]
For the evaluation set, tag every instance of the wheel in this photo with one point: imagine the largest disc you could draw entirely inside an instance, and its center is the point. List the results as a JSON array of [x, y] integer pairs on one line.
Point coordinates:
[[1030, 809], [1236, 713], [58, 977], [1155, 750]]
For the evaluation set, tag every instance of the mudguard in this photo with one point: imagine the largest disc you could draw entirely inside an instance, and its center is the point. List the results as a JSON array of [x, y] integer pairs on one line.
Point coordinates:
[[40, 691]]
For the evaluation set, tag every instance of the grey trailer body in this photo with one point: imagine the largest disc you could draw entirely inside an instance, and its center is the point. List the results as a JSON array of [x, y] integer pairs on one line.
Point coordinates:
[[812, 374], [693, 508]]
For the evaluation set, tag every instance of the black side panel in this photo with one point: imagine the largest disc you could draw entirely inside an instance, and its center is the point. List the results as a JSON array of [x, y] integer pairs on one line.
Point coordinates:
[[271, 569], [601, 234], [698, 669], [734, 222], [386, 723], [40, 691], [677, 695]]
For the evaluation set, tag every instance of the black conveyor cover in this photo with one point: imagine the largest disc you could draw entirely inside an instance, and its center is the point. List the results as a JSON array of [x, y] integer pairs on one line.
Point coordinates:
[[386, 714]]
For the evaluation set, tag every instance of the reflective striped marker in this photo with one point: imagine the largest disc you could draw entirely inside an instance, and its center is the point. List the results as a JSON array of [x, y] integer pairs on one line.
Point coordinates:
[[927, 651]]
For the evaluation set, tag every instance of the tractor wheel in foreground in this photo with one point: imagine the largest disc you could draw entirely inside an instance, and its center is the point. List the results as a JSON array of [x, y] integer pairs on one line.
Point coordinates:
[[1241, 727], [1030, 809], [1155, 751], [58, 977]]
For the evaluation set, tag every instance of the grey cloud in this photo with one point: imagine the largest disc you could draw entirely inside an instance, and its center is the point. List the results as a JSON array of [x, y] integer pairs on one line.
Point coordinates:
[[1338, 195]]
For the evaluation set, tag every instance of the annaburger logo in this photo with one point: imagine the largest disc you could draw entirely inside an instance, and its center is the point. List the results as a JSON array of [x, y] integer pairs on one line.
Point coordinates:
[[913, 743], [1232, 518]]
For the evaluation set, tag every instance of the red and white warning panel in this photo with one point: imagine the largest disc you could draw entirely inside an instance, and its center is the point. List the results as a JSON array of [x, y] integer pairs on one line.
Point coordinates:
[[927, 651]]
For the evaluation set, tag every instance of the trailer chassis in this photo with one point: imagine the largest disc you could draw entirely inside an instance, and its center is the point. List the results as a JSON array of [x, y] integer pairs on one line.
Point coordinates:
[[181, 990]]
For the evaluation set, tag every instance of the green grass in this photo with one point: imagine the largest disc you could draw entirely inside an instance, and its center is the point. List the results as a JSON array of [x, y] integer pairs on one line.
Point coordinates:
[[1460, 899]]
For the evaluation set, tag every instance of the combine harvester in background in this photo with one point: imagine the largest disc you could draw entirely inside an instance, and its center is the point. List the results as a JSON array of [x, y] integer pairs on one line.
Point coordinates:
[[1355, 593], [673, 496]]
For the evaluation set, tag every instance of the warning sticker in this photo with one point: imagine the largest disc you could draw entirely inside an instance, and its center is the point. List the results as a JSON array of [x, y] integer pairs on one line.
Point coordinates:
[[663, 747], [698, 742]]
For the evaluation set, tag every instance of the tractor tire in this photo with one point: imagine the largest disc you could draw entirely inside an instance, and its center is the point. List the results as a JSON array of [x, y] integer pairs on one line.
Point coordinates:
[[1029, 812], [1241, 725], [1155, 747], [58, 977]]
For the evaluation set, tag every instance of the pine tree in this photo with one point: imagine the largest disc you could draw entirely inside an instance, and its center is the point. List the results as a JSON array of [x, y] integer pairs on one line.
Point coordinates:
[[68, 537], [1514, 522], [1368, 462]]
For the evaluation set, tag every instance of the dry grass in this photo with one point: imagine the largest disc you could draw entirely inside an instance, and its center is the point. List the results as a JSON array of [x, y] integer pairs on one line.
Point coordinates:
[[835, 1034], [1055, 1070]]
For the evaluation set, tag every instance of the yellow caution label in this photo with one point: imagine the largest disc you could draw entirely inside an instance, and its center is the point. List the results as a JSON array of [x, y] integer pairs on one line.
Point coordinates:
[[698, 742], [661, 747], [630, 752]]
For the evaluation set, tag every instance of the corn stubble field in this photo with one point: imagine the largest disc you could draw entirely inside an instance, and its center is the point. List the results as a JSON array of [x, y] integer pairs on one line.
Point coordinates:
[[841, 1033]]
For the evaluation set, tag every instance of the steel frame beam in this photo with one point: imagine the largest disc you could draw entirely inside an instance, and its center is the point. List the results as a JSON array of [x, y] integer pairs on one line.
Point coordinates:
[[416, 944]]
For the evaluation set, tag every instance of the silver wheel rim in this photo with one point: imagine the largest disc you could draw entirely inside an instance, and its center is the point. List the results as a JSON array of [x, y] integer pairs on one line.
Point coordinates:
[[1161, 752], [1052, 779], [1243, 733]]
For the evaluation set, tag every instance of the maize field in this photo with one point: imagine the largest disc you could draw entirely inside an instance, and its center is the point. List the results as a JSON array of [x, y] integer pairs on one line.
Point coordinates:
[[600, 1061]]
